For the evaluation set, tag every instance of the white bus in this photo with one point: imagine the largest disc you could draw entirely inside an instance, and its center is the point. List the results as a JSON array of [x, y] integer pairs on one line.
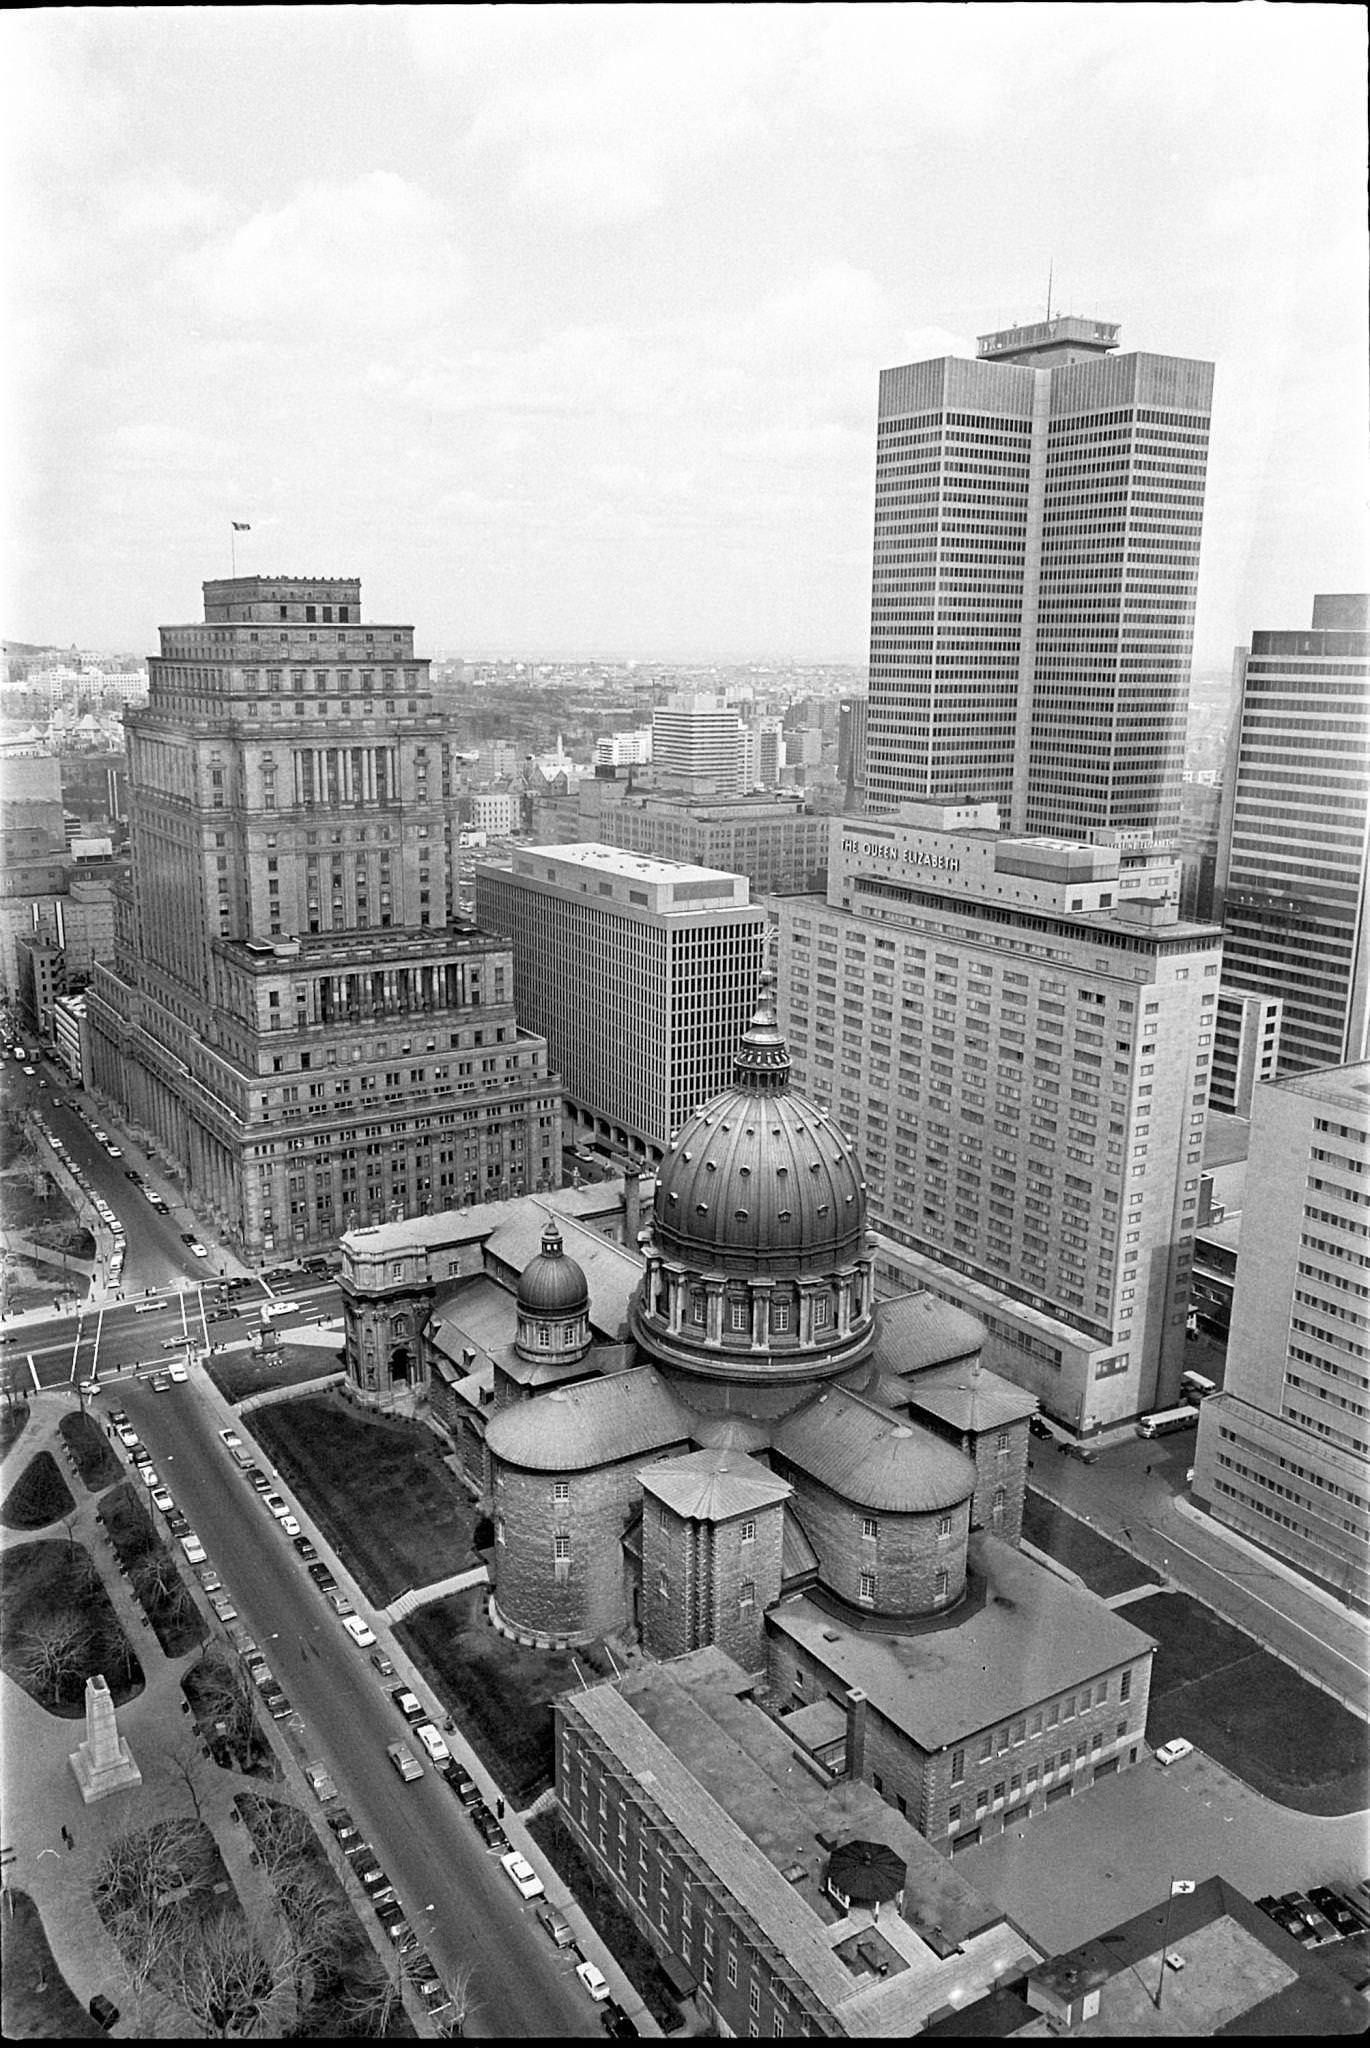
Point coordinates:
[[1167, 1419], [1196, 1386]]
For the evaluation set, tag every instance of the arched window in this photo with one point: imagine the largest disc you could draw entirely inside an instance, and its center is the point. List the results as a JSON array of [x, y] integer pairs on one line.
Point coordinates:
[[568, 1333], [544, 1336]]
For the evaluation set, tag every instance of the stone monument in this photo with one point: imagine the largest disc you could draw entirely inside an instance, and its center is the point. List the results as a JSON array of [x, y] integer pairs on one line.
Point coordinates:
[[103, 1763]]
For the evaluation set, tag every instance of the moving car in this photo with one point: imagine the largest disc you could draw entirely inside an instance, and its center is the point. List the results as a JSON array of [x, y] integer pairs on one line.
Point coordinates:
[[521, 1874], [405, 1761], [1171, 1752], [594, 1980], [358, 1630]]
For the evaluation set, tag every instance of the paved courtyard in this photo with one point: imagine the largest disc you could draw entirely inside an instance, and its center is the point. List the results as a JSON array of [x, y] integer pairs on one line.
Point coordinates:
[[1091, 1862]]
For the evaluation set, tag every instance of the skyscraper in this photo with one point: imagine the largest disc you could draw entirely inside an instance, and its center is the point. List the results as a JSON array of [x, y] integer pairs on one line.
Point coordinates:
[[1293, 836], [697, 745], [1037, 522], [291, 1017], [1284, 1451], [641, 973]]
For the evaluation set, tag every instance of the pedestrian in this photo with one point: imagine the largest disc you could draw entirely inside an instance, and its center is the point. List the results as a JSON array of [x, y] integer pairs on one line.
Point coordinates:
[[1148, 1471]]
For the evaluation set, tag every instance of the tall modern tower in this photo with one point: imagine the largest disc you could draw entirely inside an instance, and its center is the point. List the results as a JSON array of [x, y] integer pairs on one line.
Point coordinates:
[[292, 1017], [1293, 837], [1037, 522]]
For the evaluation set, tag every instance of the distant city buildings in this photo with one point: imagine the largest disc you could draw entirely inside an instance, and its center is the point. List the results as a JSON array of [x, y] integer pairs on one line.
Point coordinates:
[[1283, 1452], [639, 972], [291, 1018], [1037, 524], [696, 745], [775, 839], [1021, 1050], [1292, 860]]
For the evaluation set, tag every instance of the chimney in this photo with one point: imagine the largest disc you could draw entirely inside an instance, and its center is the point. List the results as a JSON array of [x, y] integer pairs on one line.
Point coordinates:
[[632, 1203], [856, 1731]]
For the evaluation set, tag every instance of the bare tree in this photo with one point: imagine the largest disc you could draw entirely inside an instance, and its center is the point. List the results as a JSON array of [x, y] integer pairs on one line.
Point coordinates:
[[227, 1694], [185, 1761], [234, 1981], [54, 1652], [155, 1576]]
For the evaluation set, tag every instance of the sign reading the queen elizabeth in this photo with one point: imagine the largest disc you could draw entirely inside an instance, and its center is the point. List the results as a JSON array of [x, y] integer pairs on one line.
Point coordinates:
[[911, 856]]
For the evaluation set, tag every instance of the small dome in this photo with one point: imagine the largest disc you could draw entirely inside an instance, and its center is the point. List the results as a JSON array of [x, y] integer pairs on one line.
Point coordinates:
[[760, 1173], [552, 1284]]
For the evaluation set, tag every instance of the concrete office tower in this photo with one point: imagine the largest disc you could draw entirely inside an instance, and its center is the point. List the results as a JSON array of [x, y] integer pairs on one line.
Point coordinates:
[[697, 746], [1284, 1451], [291, 1019], [772, 837], [1021, 1054], [641, 973], [1293, 836], [1037, 519]]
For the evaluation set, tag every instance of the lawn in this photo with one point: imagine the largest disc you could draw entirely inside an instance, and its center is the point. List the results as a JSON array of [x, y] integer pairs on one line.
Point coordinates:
[[1105, 1568], [96, 1463], [237, 1374], [379, 1490], [14, 1418], [620, 1934], [502, 1695], [37, 2003], [38, 1496], [58, 1628], [1253, 1713]]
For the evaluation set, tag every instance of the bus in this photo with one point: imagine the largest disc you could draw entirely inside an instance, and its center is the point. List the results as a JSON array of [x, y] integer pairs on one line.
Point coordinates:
[[1167, 1419], [1196, 1386]]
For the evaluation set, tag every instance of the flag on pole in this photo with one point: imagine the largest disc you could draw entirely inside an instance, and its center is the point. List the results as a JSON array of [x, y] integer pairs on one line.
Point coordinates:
[[239, 527], [1181, 1884]]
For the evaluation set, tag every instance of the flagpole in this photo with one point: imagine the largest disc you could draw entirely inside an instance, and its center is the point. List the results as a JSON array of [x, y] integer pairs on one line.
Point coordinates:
[[1165, 1943], [233, 547]]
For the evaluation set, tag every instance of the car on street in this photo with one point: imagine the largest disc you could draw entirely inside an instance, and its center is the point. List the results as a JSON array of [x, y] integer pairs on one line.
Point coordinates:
[[409, 1706], [432, 1741], [289, 1525], [161, 1498], [340, 1604], [357, 1852], [358, 1630], [435, 1996], [114, 1151], [389, 1909], [464, 1785], [230, 1439], [521, 1875], [119, 1419], [178, 1375], [162, 1208], [1171, 1752], [209, 1578], [339, 1819], [142, 1455], [616, 2022], [306, 1549], [557, 1925], [1335, 1909], [322, 1577], [160, 1383], [177, 1523], [90, 1388], [595, 1982], [200, 1251], [1036, 1426], [404, 1760], [277, 1705], [223, 1606], [129, 1438], [1320, 1926], [320, 1783], [258, 1480], [132, 1173], [193, 1548], [261, 1674], [274, 1503], [382, 1664]]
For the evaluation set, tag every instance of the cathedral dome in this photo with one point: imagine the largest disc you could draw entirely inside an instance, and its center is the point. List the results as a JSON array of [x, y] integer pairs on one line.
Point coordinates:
[[758, 1260], [760, 1173], [553, 1284]]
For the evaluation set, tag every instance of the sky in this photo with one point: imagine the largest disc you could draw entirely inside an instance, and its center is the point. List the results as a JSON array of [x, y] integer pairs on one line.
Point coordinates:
[[561, 327]]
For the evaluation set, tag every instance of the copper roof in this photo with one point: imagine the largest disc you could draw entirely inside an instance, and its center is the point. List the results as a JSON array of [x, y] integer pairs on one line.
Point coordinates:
[[595, 1422], [552, 1284], [874, 1459], [713, 1486]]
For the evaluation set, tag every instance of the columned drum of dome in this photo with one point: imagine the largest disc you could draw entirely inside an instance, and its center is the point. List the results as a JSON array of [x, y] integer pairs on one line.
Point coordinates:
[[553, 1304], [758, 1262]]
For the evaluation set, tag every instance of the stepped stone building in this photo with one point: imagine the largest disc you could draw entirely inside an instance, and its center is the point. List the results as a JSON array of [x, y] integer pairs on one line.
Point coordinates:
[[293, 1018]]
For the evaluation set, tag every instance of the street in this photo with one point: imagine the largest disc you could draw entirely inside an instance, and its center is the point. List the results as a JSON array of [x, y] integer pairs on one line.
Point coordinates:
[[453, 1890]]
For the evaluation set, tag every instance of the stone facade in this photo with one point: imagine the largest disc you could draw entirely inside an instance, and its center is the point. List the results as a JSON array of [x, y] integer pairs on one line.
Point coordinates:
[[709, 1582], [878, 1561]]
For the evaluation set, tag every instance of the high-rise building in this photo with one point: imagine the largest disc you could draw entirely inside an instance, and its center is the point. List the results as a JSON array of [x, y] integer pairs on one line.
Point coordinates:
[[1037, 522], [641, 974], [697, 745], [1021, 1053], [773, 838], [1294, 834], [291, 1018], [1284, 1451]]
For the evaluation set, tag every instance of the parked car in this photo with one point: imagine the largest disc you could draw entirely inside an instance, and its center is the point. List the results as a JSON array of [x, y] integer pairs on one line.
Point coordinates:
[[289, 1525], [162, 1499], [1335, 1909], [149, 1478], [257, 1479], [177, 1523], [129, 1438], [409, 1706], [1317, 1923], [595, 1982], [306, 1549], [382, 1664], [557, 1925], [103, 2011], [358, 1630], [339, 1602], [209, 1578], [615, 2021], [432, 1741], [1171, 1752], [320, 1783], [405, 1761], [389, 1910], [463, 1784], [274, 1503], [223, 1606], [1036, 1426], [521, 1875], [193, 1548], [178, 1375], [322, 1576], [278, 1706]]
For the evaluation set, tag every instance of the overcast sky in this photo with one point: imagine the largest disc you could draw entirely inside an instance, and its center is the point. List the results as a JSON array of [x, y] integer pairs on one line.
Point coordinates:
[[561, 327]]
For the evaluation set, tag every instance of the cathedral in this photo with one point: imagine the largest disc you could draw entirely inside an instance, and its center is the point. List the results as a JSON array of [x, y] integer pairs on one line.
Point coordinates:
[[697, 1426]]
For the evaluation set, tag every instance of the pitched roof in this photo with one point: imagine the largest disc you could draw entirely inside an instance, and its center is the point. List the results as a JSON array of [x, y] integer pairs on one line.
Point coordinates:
[[714, 1485], [871, 1458], [612, 1273], [915, 1331], [594, 1422], [970, 1398]]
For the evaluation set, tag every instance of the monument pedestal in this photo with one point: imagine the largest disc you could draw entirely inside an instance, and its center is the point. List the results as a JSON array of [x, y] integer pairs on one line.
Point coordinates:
[[104, 1762]]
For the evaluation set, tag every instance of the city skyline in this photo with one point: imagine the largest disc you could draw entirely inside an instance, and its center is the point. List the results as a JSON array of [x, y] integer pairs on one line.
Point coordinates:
[[580, 318]]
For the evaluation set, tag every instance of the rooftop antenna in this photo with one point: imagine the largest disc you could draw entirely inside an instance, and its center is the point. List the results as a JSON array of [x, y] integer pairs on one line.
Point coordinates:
[[1051, 268]]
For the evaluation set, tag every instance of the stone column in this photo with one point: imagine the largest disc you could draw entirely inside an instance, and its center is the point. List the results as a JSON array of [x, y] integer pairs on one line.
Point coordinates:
[[104, 1762]]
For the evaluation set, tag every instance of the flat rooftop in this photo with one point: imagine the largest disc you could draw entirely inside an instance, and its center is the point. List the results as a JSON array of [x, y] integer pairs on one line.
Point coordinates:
[[596, 858], [1347, 1086]]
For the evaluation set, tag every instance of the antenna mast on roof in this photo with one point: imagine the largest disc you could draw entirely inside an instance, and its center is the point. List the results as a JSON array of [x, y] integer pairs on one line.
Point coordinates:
[[1051, 268]]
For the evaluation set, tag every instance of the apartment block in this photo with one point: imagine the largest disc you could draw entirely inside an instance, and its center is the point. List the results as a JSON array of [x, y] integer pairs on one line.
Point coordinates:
[[1021, 1053], [697, 745], [1037, 524], [1294, 833], [640, 973], [1246, 1048], [1283, 1453], [292, 1017], [778, 842]]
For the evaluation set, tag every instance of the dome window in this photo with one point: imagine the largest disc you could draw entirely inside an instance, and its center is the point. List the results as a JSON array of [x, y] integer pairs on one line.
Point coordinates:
[[711, 1166], [741, 1215], [696, 1307], [822, 1209], [784, 1215], [780, 1315], [737, 1315], [701, 1208], [744, 1171], [822, 1310]]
